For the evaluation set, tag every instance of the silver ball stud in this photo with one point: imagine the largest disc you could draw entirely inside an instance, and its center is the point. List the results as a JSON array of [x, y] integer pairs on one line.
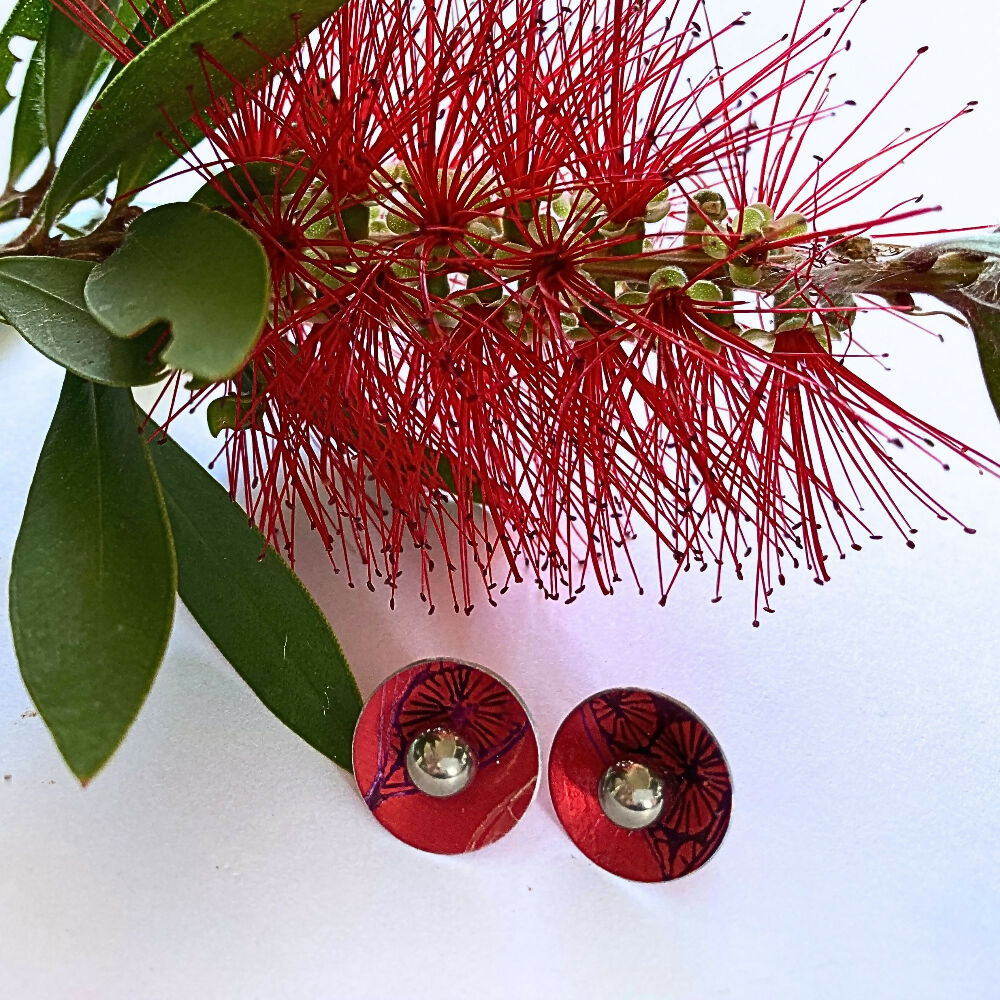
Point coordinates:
[[440, 763], [631, 795]]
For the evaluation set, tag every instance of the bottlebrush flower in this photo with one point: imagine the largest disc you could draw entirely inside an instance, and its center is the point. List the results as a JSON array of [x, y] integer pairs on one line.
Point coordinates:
[[547, 278]]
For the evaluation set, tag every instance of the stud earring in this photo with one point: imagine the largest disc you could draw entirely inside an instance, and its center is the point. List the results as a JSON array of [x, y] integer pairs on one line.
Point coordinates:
[[445, 756], [640, 785]]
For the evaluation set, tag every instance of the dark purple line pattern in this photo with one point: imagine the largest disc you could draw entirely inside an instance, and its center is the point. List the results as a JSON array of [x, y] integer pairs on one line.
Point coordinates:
[[631, 724], [479, 707]]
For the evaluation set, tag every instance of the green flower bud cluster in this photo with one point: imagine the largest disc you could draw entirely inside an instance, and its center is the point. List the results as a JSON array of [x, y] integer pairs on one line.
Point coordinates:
[[825, 320], [670, 278], [743, 241], [746, 241]]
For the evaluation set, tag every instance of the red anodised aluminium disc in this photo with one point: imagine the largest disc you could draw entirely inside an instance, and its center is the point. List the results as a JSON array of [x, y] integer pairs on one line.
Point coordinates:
[[631, 724], [476, 705]]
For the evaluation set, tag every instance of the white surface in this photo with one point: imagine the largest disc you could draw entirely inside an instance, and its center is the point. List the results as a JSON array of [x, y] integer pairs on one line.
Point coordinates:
[[218, 857]]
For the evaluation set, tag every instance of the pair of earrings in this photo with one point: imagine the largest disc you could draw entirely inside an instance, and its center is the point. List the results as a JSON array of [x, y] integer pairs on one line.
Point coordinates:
[[447, 760]]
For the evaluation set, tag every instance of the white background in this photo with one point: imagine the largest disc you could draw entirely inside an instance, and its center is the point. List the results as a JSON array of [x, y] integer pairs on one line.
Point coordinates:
[[220, 857]]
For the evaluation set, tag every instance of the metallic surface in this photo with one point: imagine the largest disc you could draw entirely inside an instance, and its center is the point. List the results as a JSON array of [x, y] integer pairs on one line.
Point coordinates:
[[440, 763], [631, 795]]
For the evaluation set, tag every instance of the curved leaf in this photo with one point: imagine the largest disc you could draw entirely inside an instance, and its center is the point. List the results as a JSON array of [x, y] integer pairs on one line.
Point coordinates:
[[27, 20], [197, 270], [71, 58], [151, 159], [29, 137], [256, 180], [43, 298], [978, 302], [171, 77], [256, 610], [93, 578]]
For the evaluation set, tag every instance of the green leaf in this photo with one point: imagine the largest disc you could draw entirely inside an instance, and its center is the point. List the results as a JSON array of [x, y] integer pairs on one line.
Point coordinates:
[[256, 610], [71, 58], [29, 136], [145, 24], [148, 161], [43, 298], [28, 19], [448, 476], [145, 163], [136, 29], [197, 270], [168, 79], [978, 302], [246, 183], [93, 578]]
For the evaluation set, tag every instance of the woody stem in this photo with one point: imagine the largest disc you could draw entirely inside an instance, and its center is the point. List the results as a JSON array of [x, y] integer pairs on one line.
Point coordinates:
[[916, 271]]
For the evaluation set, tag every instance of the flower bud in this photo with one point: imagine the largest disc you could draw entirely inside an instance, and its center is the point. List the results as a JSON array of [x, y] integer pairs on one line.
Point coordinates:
[[787, 227], [724, 317], [482, 287], [560, 206], [611, 228], [355, 221], [319, 228], [634, 229], [446, 320], [399, 225], [715, 247], [667, 277], [765, 210], [705, 291], [709, 342], [712, 204], [839, 312], [658, 207], [221, 415], [794, 313], [754, 222], [484, 231], [745, 275], [408, 271], [513, 317], [544, 229], [762, 339], [708, 207], [401, 175], [792, 325], [515, 221], [438, 285], [572, 327]]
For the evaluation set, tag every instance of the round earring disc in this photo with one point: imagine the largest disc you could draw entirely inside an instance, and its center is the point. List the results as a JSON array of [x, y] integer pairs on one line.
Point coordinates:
[[662, 735], [473, 704]]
